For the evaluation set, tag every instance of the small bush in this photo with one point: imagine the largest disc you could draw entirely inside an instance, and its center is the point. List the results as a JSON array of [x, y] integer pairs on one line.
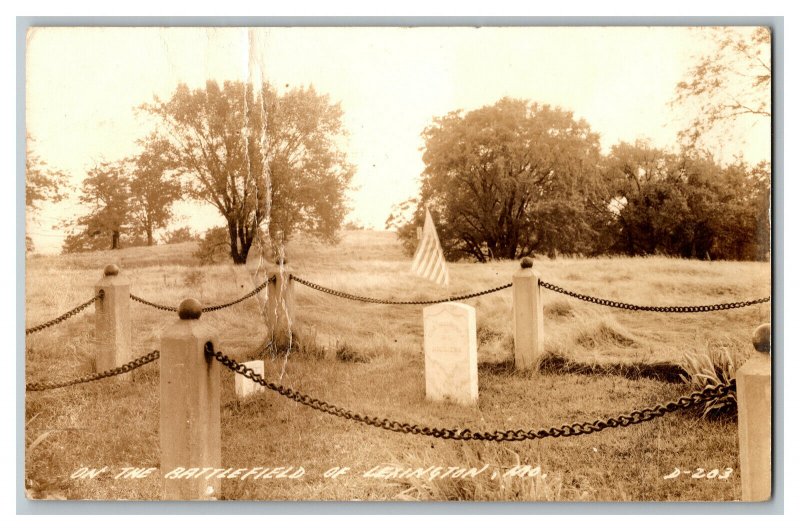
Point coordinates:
[[215, 246], [711, 369], [194, 278]]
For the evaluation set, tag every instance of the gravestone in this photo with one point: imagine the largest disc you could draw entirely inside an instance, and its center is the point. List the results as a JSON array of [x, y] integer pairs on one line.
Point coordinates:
[[451, 353], [246, 386]]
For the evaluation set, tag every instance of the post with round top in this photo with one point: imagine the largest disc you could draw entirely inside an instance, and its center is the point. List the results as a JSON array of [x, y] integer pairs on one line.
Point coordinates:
[[754, 401], [112, 320], [190, 409], [280, 303], [528, 316]]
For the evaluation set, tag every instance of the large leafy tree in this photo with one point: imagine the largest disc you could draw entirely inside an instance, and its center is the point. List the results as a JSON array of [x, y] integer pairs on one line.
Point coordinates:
[[258, 157], [153, 188], [508, 180]]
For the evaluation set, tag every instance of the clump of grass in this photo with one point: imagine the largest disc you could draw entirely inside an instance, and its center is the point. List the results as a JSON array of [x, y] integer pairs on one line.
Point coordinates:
[[712, 368], [346, 353], [560, 308], [605, 332], [194, 278]]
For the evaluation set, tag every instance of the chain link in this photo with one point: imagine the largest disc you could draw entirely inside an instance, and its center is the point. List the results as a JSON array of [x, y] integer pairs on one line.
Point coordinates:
[[240, 299], [131, 365], [75, 311], [567, 430], [665, 309], [154, 304], [213, 308], [360, 298]]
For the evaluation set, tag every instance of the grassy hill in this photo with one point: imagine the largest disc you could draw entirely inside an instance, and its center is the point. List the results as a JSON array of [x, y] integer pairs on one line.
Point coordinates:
[[600, 362]]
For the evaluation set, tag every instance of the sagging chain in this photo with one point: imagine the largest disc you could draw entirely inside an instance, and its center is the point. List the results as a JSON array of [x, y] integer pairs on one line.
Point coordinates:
[[665, 309], [154, 304], [116, 371], [213, 308], [567, 430], [76, 310], [360, 298], [240, 299]]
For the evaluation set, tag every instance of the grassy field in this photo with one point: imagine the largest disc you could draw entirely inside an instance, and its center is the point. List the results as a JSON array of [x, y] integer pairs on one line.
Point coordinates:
[[602, 362]]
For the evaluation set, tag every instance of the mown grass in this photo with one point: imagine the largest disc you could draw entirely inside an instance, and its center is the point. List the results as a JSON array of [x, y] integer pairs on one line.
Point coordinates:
[[601, 364]]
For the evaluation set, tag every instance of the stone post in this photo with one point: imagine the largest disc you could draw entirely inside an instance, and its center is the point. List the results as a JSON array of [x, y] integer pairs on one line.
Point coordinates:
[[754, 400], [112, 321], [280, 303], [190, 408], [528, 316]]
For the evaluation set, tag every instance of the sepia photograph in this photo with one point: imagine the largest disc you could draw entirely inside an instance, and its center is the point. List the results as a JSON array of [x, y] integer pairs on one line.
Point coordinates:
[[399, 264]]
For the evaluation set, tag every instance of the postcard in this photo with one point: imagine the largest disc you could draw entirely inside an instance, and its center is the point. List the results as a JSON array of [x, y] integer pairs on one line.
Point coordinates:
[[510, 263]]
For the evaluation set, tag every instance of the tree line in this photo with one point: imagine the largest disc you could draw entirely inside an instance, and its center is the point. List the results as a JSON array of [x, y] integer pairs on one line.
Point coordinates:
[[511, 179], [518, 178]]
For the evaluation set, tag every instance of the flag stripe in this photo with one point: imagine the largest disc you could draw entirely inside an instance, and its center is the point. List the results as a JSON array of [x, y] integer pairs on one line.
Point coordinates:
[[428, 260]]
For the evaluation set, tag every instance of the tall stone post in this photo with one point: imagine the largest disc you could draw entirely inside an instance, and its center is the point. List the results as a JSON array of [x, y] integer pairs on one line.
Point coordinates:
[[112, 321], [190, 408], [280, 303], [528, 316], [754, 400]]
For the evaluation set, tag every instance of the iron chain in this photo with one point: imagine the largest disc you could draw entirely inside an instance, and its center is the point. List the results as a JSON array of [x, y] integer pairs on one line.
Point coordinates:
[[240, 299], [154, 304], [360, 298], [76, 310], [116, 371], [567, 430], [207, 308], [666, 309]]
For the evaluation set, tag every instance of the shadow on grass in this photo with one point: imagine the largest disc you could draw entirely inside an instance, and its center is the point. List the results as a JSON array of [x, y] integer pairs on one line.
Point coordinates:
[[557, 364], [661, 371]]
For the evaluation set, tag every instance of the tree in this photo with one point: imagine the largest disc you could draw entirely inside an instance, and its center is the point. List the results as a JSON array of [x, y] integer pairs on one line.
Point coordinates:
[[685, 204], [105, 192], [508, 180], [153, 188], [258, 157], [213, 245], [180, 235], [730, 84], [41, 183]]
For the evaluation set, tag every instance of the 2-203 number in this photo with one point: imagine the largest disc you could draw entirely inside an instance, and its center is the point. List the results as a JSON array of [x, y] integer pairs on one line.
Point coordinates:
[[701, 473]]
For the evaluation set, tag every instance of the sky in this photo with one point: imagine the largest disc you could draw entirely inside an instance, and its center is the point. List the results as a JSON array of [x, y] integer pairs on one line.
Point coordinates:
[[84, 84]]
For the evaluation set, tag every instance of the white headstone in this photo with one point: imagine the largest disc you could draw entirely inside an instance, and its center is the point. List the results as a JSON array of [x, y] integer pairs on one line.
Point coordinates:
[[451, 353], [246, 386]]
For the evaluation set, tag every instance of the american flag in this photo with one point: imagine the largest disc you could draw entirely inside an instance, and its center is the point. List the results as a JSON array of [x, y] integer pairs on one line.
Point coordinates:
[[429, 259]]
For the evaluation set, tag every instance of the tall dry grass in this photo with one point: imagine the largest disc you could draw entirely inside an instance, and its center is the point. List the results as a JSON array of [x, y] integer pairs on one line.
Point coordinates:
[[376, 368]]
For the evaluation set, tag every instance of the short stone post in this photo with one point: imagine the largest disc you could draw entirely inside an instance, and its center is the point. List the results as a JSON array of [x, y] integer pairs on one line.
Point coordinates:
[[112, 321], [451, 353], [528, 316], [280, 303], [754, 400], [190, 408]]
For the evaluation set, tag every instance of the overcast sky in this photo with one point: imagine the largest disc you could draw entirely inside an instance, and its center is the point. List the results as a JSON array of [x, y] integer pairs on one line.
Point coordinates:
[[84, 83]]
